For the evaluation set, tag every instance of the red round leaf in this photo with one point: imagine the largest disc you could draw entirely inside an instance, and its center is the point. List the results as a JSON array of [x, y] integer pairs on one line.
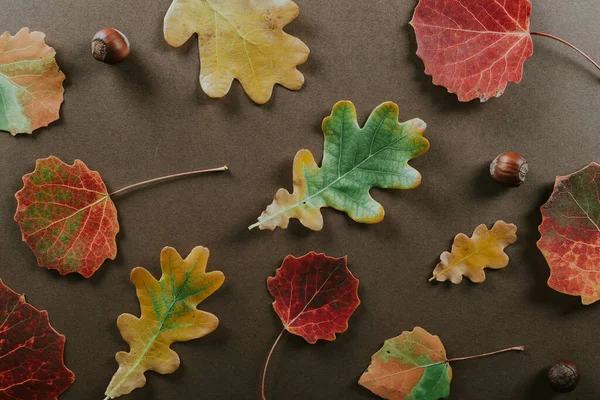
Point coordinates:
[[473, 47], [31, 352], [571, 234], [315, 295], [67, 217]]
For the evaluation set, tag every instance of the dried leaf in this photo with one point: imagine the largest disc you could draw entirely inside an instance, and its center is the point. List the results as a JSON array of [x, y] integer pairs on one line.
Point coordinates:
[[473, 48], [354, 161], [414, 366], [240, 39], [169, 315], [67, 217], [410, 366], [570, 232], [485, 249], [315, 295], [31, 351], [31, 90]]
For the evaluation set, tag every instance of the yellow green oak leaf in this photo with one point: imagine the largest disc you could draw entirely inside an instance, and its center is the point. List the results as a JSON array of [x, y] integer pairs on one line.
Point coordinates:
[[31, 90], [355, 160], [169, 315]]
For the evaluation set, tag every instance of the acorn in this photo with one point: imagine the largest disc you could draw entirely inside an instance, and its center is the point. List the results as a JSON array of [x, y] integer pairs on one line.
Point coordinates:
[[563, 376], [509, 169], [110, 46]]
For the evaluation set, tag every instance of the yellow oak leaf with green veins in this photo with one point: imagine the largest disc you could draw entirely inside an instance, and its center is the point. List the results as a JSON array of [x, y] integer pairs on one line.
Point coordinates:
[[169, 315], [240, 39], [470, 255]]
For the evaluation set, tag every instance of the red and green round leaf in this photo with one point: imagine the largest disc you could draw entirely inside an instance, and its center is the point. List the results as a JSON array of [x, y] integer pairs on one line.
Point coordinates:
[[570, 234], [412, 366], [67, 217], [31, 352], [473, 48], [315, 295], [31, 90]]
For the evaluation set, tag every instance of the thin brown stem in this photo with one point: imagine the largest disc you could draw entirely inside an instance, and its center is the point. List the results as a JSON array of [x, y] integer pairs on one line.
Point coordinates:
[[516, 348], [267, 364], [568, 44], [162, 178]]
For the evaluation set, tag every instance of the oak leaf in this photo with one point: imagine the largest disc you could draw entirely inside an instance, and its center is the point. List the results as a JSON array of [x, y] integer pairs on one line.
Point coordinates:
[[240, 39], [31, 352], [414, 366], [570, 234], [473, 48], [469, 256], [31, 90], [67, 217], [169, 315], [355, 160]]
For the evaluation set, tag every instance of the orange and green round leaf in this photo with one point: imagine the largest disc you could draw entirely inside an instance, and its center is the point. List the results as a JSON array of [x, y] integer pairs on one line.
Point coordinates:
[[31, 90], [412, 366]]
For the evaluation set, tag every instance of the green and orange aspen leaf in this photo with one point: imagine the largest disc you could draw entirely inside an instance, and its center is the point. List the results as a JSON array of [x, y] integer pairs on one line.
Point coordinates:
[[67, 216], [240, 39], [169, 315], [355, 160], [570, 234], [31, 90], [470, 255], [413, 366]]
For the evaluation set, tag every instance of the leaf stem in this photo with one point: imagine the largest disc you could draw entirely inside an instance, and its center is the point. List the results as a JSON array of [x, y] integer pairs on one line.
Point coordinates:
[[223, 168], [267, 364], [568, 44], [516, 348]]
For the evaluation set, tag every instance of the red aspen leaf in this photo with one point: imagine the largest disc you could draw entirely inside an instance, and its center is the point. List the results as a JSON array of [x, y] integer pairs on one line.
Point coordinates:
[[66, 217], [31, 352], [473, 48], [570, 234], [31, 90], [315, 295]]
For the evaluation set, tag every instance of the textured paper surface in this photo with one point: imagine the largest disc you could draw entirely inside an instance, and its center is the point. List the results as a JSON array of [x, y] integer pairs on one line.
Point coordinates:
[[147, 117]]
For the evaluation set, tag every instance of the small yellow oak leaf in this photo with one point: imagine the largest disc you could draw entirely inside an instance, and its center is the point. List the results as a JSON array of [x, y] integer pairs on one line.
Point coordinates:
[[469, 256], [169, 315], [240, 39]]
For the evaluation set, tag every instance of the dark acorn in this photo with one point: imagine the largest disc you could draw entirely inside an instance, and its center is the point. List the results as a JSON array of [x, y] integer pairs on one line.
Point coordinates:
[[563, 376], [110, 46], [509, 169]]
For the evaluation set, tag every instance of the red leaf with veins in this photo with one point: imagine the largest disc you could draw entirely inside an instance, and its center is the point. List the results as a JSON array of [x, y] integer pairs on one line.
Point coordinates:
[[31, 352], [473, 47], [67, 217], [314, 295], [571, 234]]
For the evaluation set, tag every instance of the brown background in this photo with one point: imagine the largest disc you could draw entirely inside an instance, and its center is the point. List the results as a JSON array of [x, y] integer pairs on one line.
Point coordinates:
[[148, 117]]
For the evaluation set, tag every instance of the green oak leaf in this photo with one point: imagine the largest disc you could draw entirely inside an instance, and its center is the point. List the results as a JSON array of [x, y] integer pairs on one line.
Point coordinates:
[[355, 160]]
